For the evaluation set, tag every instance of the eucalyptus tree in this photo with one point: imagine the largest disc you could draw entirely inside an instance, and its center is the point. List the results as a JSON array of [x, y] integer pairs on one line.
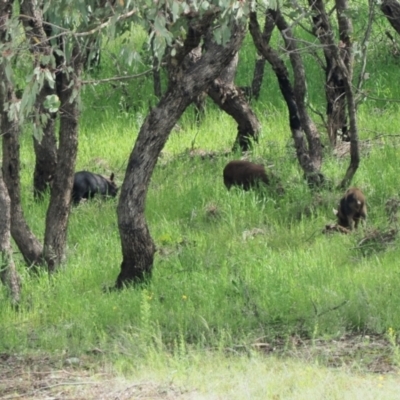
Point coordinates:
[[304, 132], [180, 27], [54, 47], [8, 273]]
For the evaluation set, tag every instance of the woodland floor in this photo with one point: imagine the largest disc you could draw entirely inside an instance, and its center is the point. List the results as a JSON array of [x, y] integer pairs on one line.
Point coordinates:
[[40, 378]]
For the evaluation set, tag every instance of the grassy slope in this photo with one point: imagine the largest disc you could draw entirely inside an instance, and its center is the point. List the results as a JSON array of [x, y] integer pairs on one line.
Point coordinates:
[[216, 282]]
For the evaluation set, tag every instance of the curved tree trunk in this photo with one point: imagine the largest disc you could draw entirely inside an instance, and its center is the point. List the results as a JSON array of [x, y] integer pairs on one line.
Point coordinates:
[[231, 99], [307, 163], [26, 241], [8, 273], [184, 85]]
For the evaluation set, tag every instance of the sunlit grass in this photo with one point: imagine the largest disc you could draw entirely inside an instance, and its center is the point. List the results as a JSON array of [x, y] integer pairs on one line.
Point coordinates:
[[230, 265]]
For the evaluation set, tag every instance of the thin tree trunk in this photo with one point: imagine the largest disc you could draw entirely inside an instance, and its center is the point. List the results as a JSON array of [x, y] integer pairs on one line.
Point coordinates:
[[310, 168], [300, 91], [335, 91], [30, 248], [184, 85], [46, 148], [258, 74], [344, 58], [8, 274]]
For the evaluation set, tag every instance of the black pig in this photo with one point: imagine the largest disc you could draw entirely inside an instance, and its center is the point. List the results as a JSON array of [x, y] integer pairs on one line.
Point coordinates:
[[87, 184], [352, 209]]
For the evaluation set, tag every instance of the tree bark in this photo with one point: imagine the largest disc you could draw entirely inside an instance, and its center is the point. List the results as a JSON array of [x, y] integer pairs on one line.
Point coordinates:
[[258, 74], [344, 58], [231, 99], [58, 212], [46, 147], [30, 248], [335, 91], [391, 9], [8, 273], [258, 77], [307, 163], [300, 91], [184, 85]]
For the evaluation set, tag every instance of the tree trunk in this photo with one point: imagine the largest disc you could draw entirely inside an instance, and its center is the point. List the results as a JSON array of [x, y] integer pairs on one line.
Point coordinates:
[[258, 74], [8, 273], [334, 86], [184, 85], [46, 148], [30, 248], [310, 168], [157, 82], [300, 91], [231, 99], [344, 58], [46, 159], [258, 77], [391, 9], [58, 212]]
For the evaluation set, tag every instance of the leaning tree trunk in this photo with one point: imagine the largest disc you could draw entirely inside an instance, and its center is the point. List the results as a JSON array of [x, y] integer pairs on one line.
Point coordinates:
[[231, 99], [46, 147], [300, 91], [344, 58], [391, 9], [335, 91], [137, 245], [59, 208], [30, 248], [310, 168], [258, 74], [8, 273]]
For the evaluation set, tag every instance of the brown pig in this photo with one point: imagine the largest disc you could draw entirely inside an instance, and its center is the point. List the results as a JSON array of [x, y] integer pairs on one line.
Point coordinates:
[[246, 174], [352, 208]]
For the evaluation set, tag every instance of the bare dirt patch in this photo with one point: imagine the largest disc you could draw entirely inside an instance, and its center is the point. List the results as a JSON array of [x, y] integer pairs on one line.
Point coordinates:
[[41, 378]]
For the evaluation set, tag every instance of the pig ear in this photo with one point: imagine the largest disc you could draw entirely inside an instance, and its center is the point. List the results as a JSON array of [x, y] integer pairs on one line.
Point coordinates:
[[112, 177], [335, 211]]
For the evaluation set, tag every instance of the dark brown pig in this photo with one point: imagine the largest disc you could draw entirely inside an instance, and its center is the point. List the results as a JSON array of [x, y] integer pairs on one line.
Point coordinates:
[[352, 208], [246, 174]]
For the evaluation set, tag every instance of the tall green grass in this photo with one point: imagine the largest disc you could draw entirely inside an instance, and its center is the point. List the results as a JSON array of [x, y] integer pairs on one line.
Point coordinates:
[[230, 267]]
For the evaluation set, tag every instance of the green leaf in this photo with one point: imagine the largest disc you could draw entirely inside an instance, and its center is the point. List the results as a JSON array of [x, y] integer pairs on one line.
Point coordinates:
[[49, 78]]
